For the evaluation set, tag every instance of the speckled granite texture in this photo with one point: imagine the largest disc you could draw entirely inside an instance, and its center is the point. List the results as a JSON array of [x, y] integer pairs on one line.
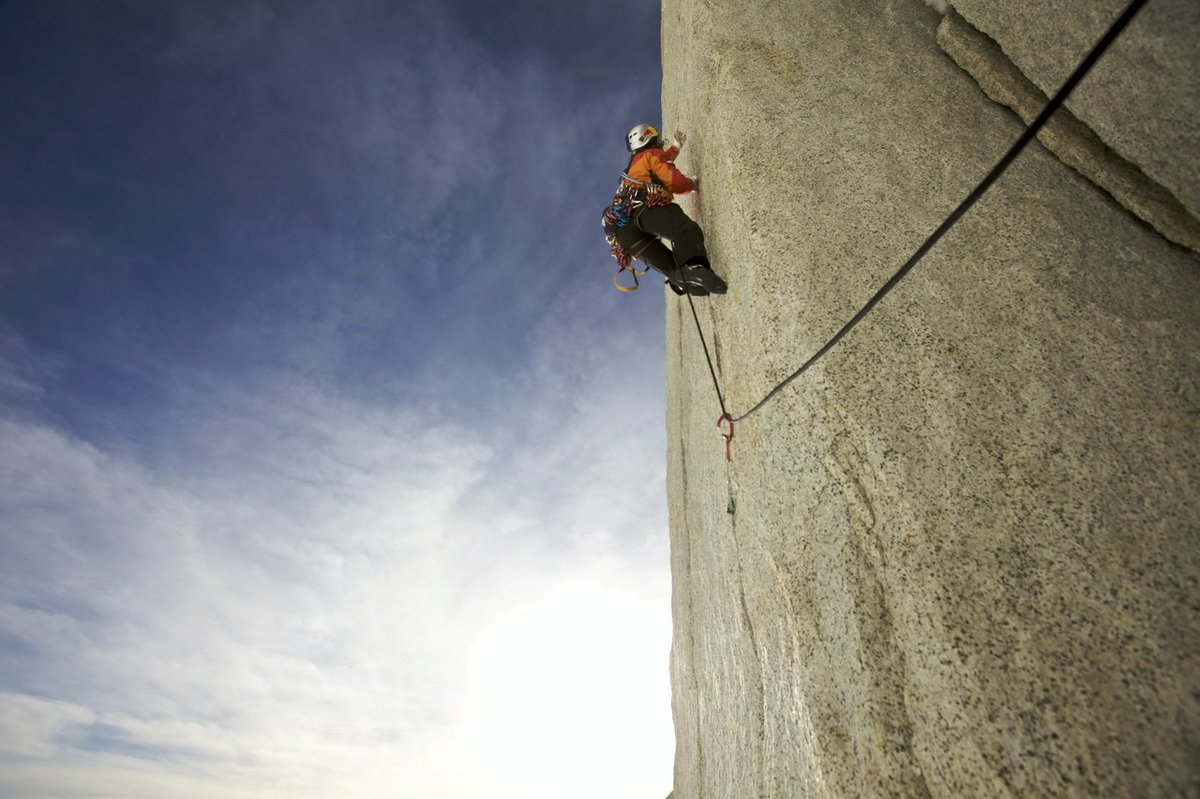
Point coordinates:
[[1143, 99], [965, 560], [1070, 140]]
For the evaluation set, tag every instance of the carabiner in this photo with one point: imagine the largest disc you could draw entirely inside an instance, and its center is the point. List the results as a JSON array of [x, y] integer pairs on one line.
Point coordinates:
[[725, 417]]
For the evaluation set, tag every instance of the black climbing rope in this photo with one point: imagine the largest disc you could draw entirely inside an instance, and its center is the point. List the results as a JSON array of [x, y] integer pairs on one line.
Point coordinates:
[[1026, 137], [704, 344]]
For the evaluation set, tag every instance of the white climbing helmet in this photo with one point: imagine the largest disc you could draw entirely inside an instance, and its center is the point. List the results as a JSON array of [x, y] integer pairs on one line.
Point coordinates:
[[639, 136]]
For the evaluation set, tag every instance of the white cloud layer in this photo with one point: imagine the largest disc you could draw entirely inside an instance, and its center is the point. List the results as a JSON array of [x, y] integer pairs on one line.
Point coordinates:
[[316, 596], [368, 500]]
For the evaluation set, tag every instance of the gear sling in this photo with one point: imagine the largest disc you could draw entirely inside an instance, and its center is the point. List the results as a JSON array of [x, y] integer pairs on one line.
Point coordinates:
[[633, 196]]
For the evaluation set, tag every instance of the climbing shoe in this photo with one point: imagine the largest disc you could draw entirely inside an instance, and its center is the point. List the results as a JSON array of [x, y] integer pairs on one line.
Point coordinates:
[[702, 277], [681, 289]]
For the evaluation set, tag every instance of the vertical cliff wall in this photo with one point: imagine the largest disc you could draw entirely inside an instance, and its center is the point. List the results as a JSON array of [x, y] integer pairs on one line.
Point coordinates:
[[965, 558]]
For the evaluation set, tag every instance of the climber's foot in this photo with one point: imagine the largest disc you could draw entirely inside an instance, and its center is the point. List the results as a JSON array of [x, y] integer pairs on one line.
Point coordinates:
[[701, 276], [681, 288]]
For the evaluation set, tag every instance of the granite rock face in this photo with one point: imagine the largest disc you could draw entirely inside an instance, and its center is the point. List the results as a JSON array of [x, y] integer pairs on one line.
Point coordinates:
[[1143, 99], [965, 557], [1074, 143]]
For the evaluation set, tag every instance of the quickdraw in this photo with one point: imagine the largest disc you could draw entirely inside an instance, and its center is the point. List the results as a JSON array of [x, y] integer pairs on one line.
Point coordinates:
[[730, 506], [725, 417]]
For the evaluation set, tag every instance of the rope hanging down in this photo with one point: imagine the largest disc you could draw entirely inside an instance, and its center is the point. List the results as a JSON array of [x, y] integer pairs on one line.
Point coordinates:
[[1084, 67]]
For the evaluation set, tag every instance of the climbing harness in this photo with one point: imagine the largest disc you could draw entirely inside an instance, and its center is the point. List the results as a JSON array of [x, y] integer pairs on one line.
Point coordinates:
[[1053, 105], [632, 197]]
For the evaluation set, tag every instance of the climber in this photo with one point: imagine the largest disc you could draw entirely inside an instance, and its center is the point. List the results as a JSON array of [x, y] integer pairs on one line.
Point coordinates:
[[643, 212]]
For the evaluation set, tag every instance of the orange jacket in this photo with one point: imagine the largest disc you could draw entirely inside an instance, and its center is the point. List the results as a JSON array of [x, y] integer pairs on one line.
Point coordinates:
[[653, 165]]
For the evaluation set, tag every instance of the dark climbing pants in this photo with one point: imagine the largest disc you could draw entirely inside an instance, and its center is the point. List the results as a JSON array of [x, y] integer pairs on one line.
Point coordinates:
[[641, 239]]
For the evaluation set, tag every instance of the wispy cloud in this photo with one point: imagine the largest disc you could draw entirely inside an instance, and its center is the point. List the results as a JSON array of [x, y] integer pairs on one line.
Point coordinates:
[[31, 727], [313, 590], [329, 463]]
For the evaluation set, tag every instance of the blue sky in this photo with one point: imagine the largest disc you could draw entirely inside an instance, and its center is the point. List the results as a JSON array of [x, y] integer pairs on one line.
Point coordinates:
[[330, 463]]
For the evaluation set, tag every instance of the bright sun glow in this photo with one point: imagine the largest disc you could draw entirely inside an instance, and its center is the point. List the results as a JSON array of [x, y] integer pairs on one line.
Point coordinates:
[[562, 696]]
